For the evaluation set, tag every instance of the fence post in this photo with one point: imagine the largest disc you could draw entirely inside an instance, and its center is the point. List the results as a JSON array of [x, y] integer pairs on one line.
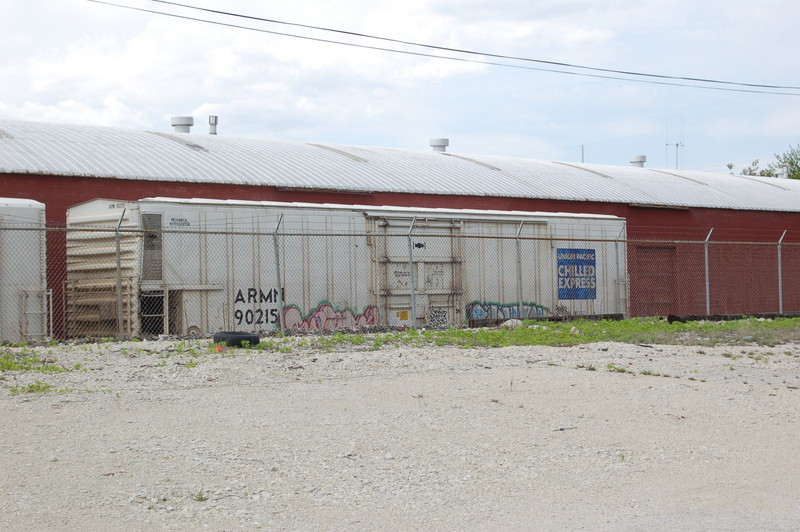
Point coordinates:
[[49, 302], [618, 302], [2, 247], [120, 327], [708, 279], [519, 273], [278, 272], [780, 272], [413, 276]]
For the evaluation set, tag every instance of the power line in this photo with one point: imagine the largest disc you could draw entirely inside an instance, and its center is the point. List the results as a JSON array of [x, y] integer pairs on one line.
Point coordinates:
[[459, 59], [471, 52]]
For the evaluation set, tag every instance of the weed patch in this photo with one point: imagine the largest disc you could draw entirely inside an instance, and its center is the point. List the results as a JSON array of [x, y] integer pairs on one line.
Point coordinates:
[[617, 369], [28, 362], [632, 331], [34, 387]]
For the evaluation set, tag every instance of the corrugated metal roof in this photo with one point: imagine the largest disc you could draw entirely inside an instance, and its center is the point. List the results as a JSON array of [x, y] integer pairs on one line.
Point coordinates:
[[382, 210], [72, 150]]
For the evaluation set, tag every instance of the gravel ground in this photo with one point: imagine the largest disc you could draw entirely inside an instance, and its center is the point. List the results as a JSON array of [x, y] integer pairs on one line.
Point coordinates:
[[177, 436]]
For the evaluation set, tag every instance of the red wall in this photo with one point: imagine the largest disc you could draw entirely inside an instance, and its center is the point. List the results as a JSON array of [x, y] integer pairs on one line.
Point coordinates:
[[741, 277], [59, 193]]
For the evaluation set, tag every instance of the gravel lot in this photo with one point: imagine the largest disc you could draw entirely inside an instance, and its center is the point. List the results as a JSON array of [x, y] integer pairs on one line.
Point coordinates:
[[177, 436]]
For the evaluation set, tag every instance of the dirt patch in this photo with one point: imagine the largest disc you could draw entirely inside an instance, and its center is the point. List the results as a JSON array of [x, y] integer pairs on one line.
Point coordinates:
[[174, 435]]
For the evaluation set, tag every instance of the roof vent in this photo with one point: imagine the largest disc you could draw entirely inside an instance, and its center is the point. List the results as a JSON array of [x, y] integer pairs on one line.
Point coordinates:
[[212, 125], [440, 145], [638, 160], [182, 124]]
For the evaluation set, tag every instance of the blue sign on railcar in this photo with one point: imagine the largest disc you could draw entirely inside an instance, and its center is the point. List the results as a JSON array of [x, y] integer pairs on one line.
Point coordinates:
[[577, 273]]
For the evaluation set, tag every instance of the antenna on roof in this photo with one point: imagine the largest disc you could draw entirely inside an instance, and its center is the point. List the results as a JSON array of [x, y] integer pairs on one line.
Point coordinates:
[[678, 142]]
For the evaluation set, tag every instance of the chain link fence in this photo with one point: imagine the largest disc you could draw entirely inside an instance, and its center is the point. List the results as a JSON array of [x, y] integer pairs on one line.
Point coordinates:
[[94, 282], [707, 278]]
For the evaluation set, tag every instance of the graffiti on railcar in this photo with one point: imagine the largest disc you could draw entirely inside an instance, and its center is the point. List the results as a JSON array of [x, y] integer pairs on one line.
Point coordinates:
[[483, 310], [560, 311], [438, 317], [327, 316]]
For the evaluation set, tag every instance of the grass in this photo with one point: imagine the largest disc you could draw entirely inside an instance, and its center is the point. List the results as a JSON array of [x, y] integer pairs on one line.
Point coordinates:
[[34, 387], [200, 496], [632, 331], [27, 361], [745, 333], [638, 330], [617, 369]]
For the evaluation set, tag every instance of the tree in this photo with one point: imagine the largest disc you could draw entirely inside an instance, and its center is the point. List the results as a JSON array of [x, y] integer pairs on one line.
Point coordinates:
[[753, 169], [790, 160]]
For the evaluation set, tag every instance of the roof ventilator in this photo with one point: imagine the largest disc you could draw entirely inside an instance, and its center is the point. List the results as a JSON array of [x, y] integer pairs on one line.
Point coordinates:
[[440, 145], [638, 160], [182, 124]]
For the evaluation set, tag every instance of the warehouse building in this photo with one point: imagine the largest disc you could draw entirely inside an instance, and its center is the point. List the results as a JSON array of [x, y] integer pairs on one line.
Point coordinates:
[[64, 165]]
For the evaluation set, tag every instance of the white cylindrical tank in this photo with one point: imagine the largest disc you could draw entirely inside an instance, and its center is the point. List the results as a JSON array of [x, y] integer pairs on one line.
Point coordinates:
[[24, 298]]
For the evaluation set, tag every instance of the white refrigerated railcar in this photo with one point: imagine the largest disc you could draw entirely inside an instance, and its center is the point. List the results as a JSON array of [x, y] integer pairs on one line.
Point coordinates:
[[25, 301], [197, 266]]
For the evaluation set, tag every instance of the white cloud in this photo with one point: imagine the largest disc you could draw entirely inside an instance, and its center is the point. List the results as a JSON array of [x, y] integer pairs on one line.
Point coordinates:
[[91, 63], [109, 113], [784, 121]]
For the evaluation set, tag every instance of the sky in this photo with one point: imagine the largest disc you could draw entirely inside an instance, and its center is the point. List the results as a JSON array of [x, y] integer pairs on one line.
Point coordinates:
[[82, 62]]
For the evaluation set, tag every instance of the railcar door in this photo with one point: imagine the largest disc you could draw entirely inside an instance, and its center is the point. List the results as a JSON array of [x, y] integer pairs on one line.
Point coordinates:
[[417, 271]]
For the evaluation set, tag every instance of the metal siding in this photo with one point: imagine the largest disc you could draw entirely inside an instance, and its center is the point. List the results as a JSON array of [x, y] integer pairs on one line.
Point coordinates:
[[328, 284], [23, 287], [91, 284], [70, 150]]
